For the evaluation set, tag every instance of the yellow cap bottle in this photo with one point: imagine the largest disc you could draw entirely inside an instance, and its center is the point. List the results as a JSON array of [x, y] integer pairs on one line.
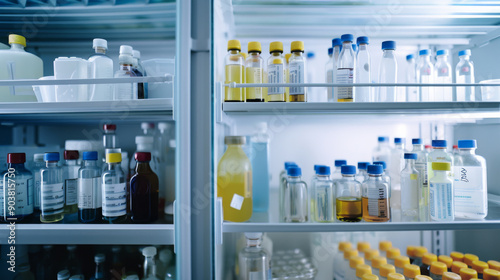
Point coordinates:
[[420, 251], [17, 39], [457, 256], [363, 269], [456, 266], [276, 47], [468, 273], [370, 254], [479, 266], [383, 246], [451, 276], [377, 262], [354, 261], [401, 261], [429, 258], [233, 45], [113, 157], [446, 260], [410, 251], [392, 253], [469, 258], [369, 277], [297, 46], [395, 276], [490, 274], [348, 253], [344, 245], [363, 246], [494, 265], [411, 271], [254, 47], [386, 269], [438, 268], [422, 277]]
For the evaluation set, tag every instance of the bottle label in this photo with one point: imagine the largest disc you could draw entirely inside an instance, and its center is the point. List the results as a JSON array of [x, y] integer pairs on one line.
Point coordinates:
[[37, 192], [275, 75], [114, 201], [470, 190], [422, 169], [297, 73], [52, 198], [21, 190], [71, 191], [378, 201], [88, 193], [443, 72], [237, 201], [441, 201], [345, 76]]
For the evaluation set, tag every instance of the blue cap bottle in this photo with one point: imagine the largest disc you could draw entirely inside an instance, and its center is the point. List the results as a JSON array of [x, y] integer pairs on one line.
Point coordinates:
[[410, 156], [340, 162], [375, 169], [348, 170]]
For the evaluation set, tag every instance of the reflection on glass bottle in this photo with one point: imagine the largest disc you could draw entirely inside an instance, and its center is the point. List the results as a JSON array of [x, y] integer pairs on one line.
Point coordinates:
[[376, 196], [52, 190], [295, 197], [114, 201], [253, 260], [348, 193]]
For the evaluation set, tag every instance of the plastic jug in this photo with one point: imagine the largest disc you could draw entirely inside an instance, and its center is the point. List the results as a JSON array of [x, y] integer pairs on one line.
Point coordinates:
[[16, 63], [71, 68]]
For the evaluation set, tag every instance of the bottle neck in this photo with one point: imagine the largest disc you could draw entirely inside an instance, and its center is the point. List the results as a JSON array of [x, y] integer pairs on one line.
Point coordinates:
[[16, 47], [112, 165], [70, 162], [145, 147], [418, 147], [411, 61], [125, 66], [100, 50], [276, 53], [442, 58], [389, 52], [254, 243], [142, 167], [234, 51], [297, 53], [439, 149], [99, 270], [400, 146], [254, 53], [467, 151], [363, 47], [410, 163], [375, 176], [464, 58], [51, 163], [293, 178], [88, 163], [383, 144], [16, 165], [149, 267], [348, 176], [346, 45], [440, 174]]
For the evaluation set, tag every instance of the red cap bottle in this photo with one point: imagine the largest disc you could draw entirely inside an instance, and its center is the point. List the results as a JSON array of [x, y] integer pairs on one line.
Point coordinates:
[[143, 156], [70, 154], [109, 127], [16, 158]]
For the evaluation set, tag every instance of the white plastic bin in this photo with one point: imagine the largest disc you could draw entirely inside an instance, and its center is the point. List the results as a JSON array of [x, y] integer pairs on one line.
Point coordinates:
[[71, 68], [159, 67]]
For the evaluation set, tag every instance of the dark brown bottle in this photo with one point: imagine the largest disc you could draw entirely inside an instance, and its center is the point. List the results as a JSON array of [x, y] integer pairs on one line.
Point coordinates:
[[144, 191]]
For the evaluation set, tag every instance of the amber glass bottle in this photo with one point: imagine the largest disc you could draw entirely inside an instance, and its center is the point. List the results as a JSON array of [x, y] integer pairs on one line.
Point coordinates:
[[144, 191]]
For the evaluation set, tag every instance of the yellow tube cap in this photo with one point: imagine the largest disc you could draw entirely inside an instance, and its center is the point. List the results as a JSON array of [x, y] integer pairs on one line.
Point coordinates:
[[363, 246], [441, 166], [371, 253], [363, 269], [420, 251], [233, 45], [479, 266], [494, 265], [392, 253], [456, 266], [457, 256], [287, 57], [113, 157], [348, 253], [276, 47], [377, 262], [17, 39], [446, 260], [411, 271], [429, 258], [410, 251], [344, 245], [401, 261], [384, 245], [354, 261], [369, 277], [451, 276], [254, 47], [490, 274], [395, 276], [469, 258], [297, 46], [438, 268], [386, 269], [245, 55], [468, 273], [422, 277]]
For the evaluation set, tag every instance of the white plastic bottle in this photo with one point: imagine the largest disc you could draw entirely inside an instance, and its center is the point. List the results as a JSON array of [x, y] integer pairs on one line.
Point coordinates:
[[410, 184], [441, 193], [425, 75], [423, 190], [443, 76], [297, 72], [382, 152], [346, 71], [465, 75], [329, 74], [470, 183], [388, 73], [125, 91], [412, 94], [337, 46], [363, 64], [100, 67]]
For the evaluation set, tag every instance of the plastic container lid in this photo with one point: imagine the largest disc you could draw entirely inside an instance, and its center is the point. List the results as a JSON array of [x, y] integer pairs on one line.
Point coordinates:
[[126, 50], [310, 55], [451, 276], [336, 42], [410, 251], [233, 45], [234, 140], [468, 273], [294, 171], [479, 266], [383, 139], [289, 163], [384, 245], [457, 256], [446, 260], [38, 157], [455, 147], [351, 252], [393, 253], [111, 127], [424, 52], [51, 157], [490, 274], [142, 156], [467, 144], [323, 170], [369, 276], [423, 277], [343, 245], [377, 262], [348, 169], [362, 40], [354, 261], [347, 38], [457, 265], [253, 235], [416, 141], [442, 52], [142, 139], [494, 265], [297, 46], [99, 43], [401, 261], [382, 163], [330, 51], [316, 168], [429, 258], [410, 56], [371, 253], [254, 47], [63, 274], [100, 258], [469, 258], [91, 155], [363, 165], [340, 162], [410, 156], [411, 270], [16, 158], [149, 251], [398, 140], [136, 54], [427, 146], [389, 45], [276, 47], [113, 157], [363, 246], [439, 143], [17, 39], [464, 52], [438, 268], [420, 251], [386, 269], [71, 154], [375, 169], [363, 269], [395, 276]]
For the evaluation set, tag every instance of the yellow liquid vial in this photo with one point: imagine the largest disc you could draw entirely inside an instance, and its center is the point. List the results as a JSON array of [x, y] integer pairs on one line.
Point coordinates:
[[264, 90], [287, 89], [382, 210], [254, 75], [51, 218], [349, 209], [234, 182], [234, 73]]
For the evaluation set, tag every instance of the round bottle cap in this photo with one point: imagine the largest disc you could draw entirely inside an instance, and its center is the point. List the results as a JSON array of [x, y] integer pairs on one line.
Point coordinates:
[[383, 139], [441, 166], [162, 126], [469, 258], [348, 169], [363, 165], [398, 140], [384, 245], [479, 266], [90, 155], [254, 47], [336, 42], [375, 169], [410, 251], [289, 163], [420, 251], [147, 125], [439, 143], [393, 253], [386, 269], [234, 140], [347, 38], [411, 270], [310, 55], [363, 246], [416, 141], [323, 170], [363, 269], [113, 157], [457, 256], [467, 273], [456, 266], [369, 276], [451, 276], [427, 147], [17, 39], [63, 275], [51, 157], [136, 54], [143, 156], [362, 40], [149, 251], [464, 52], [294, 171], [355, 260], [377, 262], [455, 147], [384, 165], [442, 52], [276, 47], [100, 258], [16, 158], [24, 267], [99, 43], [389, 45], [38, 157], [401, 261], [467, 144], [395, 276], [410, 56], [70, 154], [490, 274], [343, 245], [429, 258], [340, 162], [142, 139], [423, 277], [371, 253], [126, 50], [410, 156], [438, 268], [446, 260], [494, 265], [424, 52], [348, 253], [297, 46], [330, 51], [233, 45]]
